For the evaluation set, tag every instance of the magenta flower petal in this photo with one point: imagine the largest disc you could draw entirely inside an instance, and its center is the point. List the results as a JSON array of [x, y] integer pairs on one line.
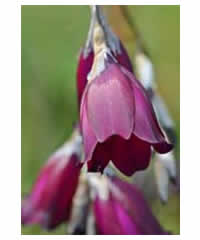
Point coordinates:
[[126, 223], [112, 219], [163, 147], [133, 201], [83, 68], [105, 215], [110, 104], [131, 155], [99, 153], [90, 140], [50, 201], [120, 209], [100, 157], [146, 124]]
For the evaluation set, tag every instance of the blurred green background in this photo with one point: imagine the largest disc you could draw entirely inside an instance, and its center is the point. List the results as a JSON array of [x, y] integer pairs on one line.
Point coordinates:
[[51, 37]]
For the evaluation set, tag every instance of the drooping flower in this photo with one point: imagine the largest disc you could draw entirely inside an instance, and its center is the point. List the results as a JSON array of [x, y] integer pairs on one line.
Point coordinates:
[[50, 201], [86, 56], [120, 209], [117, 119]]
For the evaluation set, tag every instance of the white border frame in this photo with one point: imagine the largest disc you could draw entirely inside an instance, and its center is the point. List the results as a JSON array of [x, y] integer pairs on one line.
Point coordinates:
[[10, 49]]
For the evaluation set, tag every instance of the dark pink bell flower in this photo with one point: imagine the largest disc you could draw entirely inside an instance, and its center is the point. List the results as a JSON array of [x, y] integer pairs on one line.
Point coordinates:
[[86, 56], [117, 119], [50, 200], [120, 209], [118, 122]]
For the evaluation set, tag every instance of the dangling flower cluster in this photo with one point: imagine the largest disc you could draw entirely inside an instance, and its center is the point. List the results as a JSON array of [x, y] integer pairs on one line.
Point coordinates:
[[117, 124]]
